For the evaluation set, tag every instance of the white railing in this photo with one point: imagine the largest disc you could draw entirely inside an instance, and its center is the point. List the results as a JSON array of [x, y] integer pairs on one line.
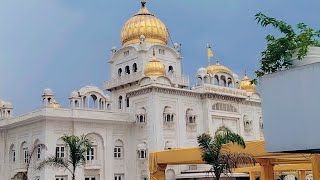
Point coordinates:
[[20, 166], [93, 164], [123, 80], [180, 80]]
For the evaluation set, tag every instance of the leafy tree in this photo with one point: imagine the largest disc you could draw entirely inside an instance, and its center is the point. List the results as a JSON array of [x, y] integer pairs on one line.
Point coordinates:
[[278, 54], [222, 162], [24, 175], [77, 147]]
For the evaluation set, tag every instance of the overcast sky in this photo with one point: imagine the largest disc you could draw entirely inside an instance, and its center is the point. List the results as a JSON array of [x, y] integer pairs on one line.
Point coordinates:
[[65, 44]]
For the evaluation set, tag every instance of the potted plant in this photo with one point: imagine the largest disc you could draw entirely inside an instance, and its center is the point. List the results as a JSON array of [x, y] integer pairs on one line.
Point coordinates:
[[287, 51]]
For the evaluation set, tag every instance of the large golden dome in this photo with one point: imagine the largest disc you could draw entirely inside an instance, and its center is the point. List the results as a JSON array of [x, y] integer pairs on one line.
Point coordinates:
[[213, 69], [246, 85], [144, 23], [154, 67]]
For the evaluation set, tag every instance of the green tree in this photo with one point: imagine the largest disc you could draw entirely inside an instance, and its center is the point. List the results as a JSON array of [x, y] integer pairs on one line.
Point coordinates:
[[77, 147], [278, 54], [34, 149], [222, 162]]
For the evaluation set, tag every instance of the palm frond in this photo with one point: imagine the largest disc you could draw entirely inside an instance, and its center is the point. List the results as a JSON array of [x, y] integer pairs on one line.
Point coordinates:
[[54, 162]]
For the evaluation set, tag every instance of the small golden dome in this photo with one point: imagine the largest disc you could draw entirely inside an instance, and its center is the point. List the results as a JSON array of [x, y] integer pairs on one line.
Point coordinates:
[[55, 104], [213, 69], [144, 23], [154, 67], [246, 85]]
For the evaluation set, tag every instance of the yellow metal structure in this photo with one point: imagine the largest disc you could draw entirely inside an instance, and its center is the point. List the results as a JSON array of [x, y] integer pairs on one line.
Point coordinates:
[[154, 67], [267, 163], [144, 23], [246, 85], [213, 69]]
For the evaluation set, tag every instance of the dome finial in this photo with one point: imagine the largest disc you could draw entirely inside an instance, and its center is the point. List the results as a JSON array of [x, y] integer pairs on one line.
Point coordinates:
[[143, 3], [245, 72], [217, 61]]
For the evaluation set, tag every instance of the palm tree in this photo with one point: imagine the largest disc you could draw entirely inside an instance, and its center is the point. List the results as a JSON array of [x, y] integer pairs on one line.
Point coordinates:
[[77, 147], [24, 175], [222, 162]]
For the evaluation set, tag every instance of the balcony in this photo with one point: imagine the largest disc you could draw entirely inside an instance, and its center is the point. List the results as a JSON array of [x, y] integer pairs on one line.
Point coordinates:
[[93, 164], [180, 80], [20, 167], [129, 78]]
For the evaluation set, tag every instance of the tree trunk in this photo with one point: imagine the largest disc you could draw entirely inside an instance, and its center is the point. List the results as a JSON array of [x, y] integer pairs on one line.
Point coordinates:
[[217, 176]]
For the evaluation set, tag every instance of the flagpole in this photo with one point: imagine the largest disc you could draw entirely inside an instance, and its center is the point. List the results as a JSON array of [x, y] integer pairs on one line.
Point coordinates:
[[208, 46]]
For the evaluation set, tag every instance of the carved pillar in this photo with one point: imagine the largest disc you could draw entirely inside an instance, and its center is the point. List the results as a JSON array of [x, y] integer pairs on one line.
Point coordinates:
[[302, 175], [252, 175], [315, 160], [267, 172]]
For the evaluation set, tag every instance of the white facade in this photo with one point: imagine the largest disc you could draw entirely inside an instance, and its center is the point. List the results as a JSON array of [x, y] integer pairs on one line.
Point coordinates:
[[143, 114]]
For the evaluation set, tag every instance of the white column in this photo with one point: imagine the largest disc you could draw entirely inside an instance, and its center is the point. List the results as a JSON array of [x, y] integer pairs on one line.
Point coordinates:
[[109, 161]]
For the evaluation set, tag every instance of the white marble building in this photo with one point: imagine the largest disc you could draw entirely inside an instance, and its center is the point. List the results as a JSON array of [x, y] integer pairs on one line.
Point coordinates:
[[151, 107]]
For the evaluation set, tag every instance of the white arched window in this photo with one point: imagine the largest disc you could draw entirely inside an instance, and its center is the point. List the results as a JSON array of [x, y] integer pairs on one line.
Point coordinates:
[[118, 149], [206, 80], [190, 117], [60, 149], [141, 116], [24, 153], [12, 154], [127, 102], [199, 81], [223, 81], [127, 70], [170, 70], [230, 83], [120, 102], [119, 72], [134, 67], [142, 151], [93, 102], [168, 115], [216, 80], [247, 123]]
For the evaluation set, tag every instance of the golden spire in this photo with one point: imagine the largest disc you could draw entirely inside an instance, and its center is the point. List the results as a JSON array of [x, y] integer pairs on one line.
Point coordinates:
[[144, 23], [246, 85], [143, 3], [154, 67]]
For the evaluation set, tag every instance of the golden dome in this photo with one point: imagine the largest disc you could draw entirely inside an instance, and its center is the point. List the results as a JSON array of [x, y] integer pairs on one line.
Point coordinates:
[[144, 23], [246, 85], [154, 67], [213, 69], [55, 104]]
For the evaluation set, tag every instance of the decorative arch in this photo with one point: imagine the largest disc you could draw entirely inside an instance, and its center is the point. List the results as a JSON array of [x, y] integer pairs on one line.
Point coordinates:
[[12, 154], [216, 80], [127, 70], [24, 152], [97, 149], [119, 72], [118, 149], [134, 67], [223, 81], [222, 129]]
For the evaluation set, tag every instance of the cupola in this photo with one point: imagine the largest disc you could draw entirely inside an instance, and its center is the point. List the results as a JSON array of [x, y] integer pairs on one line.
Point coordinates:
[[146, 24], [154, 67], [246, 85]]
